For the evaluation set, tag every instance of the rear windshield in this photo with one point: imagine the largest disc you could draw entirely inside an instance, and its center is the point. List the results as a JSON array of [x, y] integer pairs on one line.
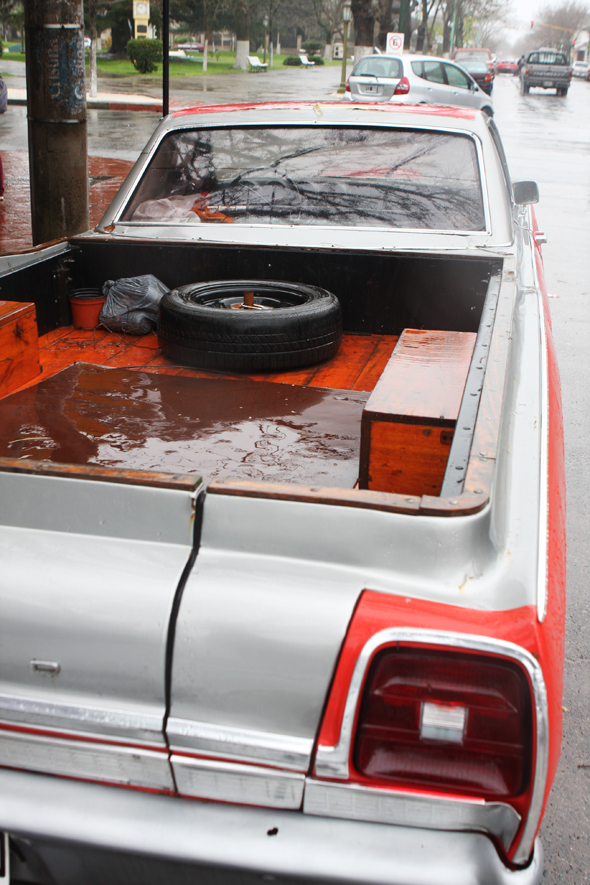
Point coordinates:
[[379, 66], [395, 178], [474, 66], [463, 54], [547, 58]]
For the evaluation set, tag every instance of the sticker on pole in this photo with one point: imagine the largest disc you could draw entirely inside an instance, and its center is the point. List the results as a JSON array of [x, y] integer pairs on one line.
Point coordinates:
[[395, 43]]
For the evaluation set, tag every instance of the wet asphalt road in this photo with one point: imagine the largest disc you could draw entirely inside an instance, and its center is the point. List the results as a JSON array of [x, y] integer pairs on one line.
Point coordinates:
[[546, 139]]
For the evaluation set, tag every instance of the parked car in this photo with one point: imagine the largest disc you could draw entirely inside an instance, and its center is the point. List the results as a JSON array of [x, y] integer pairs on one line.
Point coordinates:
[[546, 69], [480, 73], [415, 80], [264, 617], [478, 53], [191, 46], [506, 66], [581, 69]]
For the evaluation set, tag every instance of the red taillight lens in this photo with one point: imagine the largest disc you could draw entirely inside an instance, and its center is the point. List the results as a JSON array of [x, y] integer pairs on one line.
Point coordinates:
[[487, 78], [347, 87], [446, 721], [403, 87]]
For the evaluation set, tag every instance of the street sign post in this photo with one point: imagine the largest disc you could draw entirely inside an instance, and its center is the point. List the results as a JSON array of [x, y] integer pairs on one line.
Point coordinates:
[[394, 42]]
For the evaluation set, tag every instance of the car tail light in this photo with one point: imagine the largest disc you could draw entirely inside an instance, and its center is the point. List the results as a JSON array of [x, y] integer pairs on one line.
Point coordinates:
[[347, 87], [487, 78], [447, 721], [403, 87]]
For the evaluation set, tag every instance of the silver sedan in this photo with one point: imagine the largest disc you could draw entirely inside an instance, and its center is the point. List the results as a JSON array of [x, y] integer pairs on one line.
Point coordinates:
[[415, 79]]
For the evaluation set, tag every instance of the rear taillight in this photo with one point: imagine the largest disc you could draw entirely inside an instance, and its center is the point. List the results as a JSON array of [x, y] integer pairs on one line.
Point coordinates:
[[403, 87], [487, 78], [445, 721], [347, 87]]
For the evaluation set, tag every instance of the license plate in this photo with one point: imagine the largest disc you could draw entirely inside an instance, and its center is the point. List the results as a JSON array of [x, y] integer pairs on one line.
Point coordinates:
[[548, 84], [370, 89]]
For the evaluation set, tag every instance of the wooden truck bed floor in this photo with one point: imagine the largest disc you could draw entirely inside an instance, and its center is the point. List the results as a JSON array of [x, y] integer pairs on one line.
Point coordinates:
[[358, 364]]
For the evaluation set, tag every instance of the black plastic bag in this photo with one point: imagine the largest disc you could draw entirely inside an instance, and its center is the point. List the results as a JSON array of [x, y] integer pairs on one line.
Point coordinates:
[[132, 304]]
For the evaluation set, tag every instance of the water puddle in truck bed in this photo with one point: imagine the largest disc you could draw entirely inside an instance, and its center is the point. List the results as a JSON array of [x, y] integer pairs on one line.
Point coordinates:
[[208, 426]]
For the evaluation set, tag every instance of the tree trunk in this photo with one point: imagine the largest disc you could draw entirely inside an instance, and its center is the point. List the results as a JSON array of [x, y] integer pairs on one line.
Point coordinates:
[[364, 25], [242, 53]]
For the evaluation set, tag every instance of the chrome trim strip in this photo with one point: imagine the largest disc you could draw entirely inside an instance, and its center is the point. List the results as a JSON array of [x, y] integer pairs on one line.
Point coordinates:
[[244, 784], [332, 762], [240, 744], [355, 802], [86, 759], [542, 569], [230, 843], [140, 726]]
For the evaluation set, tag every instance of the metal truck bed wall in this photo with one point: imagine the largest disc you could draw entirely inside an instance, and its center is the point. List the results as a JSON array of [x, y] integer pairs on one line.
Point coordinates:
[[379, 293]]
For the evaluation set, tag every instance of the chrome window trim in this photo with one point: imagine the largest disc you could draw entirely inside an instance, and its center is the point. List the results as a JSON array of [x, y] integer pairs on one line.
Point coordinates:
[[240, 744], [332, 762], [356, 802], [243, 784], [307, 124]]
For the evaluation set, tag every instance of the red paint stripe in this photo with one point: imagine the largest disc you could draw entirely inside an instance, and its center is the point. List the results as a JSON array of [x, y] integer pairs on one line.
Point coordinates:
[[431, 110]]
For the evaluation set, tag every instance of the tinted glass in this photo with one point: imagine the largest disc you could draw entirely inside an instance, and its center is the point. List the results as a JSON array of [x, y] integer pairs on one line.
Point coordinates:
[[457, 78], [432, 70], [379, 66], [460, 56], [547, 58], [473, 66], [321, 175]]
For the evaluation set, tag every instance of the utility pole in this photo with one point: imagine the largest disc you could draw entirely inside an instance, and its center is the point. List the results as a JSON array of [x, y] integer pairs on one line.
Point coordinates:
[[56, 107]]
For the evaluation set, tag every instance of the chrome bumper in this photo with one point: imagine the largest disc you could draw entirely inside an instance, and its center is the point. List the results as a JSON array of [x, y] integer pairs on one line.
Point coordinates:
[[95, 829]]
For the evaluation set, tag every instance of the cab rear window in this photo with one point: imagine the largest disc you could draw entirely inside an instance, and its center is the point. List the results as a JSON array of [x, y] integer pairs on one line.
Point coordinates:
[[547, 58], [347, 176]]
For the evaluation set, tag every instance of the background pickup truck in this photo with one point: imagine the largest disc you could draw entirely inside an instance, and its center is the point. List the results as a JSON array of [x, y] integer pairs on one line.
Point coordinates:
[[546, 69]]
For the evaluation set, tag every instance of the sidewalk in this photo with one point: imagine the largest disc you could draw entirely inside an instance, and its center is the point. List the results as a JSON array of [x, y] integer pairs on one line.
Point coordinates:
[[105, 178]]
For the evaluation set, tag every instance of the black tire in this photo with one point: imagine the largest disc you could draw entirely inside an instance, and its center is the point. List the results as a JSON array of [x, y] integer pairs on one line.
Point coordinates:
[[562, 92], [525, 88], [301, 325]]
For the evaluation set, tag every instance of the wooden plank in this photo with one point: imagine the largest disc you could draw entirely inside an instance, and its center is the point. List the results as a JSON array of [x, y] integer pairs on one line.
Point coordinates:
[[19, 351], [425, 376], [375, 365], [177, 481], [408, 422], [408, 458]]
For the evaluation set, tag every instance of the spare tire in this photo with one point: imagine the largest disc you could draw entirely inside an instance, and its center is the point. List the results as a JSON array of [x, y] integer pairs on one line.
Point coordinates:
[[289, 325]]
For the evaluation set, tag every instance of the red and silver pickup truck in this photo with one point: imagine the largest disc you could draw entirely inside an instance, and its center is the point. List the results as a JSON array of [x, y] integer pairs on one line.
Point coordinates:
[[547, 69], [282, 583]]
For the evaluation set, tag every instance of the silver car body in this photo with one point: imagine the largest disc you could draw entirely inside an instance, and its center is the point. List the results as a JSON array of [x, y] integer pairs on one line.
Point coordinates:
[[430, 80], [167, 656]]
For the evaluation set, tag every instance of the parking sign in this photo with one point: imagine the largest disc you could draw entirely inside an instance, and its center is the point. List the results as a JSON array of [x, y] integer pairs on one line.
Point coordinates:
[[395, 42]]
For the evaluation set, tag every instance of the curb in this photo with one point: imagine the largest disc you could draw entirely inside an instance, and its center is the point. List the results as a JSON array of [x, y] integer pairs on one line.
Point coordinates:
[[104, 104]]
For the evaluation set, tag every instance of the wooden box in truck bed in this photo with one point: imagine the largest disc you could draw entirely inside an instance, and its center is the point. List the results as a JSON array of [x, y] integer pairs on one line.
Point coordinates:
[[409, 420]]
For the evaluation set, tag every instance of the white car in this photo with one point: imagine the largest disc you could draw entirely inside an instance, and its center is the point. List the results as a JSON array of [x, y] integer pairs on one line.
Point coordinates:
[[415, 79], [581, 69]]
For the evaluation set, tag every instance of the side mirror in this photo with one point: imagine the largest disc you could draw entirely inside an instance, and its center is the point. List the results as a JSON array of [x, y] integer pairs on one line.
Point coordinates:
[[525, 192]]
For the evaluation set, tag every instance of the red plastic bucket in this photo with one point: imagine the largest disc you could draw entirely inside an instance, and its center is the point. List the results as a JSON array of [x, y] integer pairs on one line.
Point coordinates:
[[86, 305]]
